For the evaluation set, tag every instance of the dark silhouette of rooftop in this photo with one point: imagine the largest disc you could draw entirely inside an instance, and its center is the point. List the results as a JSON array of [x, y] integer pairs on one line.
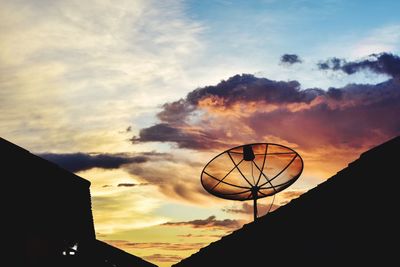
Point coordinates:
[[115, 257], [48, 216], [348, 220]]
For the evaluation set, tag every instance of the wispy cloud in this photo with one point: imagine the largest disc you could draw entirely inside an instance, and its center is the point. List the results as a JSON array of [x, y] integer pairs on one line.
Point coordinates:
[[126, 184], [157, 245], [248, 209], [163, 258], [292, 194], [125, 210], [378, 40], [209, 223], [201, 235], [176, 177], [264, 205], [76, 70], [120, 208]]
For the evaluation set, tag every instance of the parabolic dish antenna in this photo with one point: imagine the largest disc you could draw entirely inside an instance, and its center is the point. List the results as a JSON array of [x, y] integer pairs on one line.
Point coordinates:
[[252, 171]]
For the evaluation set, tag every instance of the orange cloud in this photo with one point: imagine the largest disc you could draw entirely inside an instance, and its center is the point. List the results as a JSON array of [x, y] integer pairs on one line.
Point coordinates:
[[192, 235], [291, 194], [247, 108], [209, 223], [175, 178], [157, 245], [327, 128], [248, 209], [163, 258]]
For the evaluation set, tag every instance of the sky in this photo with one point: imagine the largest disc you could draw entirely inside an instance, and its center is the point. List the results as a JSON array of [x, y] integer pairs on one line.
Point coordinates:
[[136, 96]]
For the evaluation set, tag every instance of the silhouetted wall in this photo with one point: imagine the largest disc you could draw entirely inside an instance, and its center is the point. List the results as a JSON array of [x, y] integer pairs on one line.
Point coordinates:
[[49, 207]]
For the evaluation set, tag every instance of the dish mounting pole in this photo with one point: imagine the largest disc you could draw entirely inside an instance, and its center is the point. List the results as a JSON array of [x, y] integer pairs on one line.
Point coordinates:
[[254, 192]]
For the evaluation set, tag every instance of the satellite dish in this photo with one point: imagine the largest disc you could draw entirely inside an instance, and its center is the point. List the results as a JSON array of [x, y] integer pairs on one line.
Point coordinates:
[[252, 171]]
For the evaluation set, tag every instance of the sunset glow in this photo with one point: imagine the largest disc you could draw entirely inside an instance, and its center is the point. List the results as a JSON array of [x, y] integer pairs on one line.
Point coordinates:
[[136, 96]]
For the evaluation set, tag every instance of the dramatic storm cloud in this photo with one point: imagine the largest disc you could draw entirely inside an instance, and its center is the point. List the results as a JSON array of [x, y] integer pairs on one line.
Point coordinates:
[[383, 63], [246, 108], [290, 59], [329, 128], [187, 122]]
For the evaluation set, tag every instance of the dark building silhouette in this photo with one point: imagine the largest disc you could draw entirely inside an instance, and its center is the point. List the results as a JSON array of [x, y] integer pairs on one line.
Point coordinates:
[[349, 220], [48, 216]]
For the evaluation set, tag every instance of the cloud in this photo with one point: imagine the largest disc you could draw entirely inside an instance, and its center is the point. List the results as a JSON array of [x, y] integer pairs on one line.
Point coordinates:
[[129, 184], [281, 199], [176, 177], [126, 184], [333, 63], [292, 194], [196, 111], [79, 161], [248, 88], [75, 162], [383, 63], [163, 132], [380, 39], [120, 208], [157, 170], [290, 59], [328, 128], [162, 258], [157, 245], [247, 209], [86, 65], [209, 223], [193, 236], [246, 108], [286, 196]]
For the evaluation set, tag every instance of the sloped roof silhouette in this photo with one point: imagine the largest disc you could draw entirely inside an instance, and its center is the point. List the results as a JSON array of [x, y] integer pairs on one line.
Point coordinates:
[[49, 210], [112, 256], [350, 219]]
